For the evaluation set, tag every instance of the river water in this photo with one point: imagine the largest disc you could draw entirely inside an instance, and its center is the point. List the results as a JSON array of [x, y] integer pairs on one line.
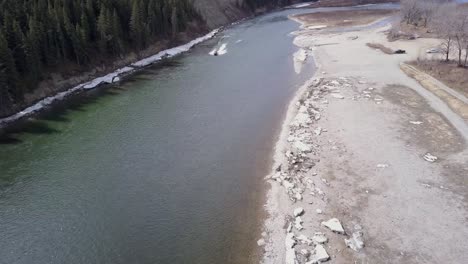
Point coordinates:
[[165, 167]]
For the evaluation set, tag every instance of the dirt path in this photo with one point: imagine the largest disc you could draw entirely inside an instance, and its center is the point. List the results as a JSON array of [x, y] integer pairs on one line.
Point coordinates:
[[355, 146]]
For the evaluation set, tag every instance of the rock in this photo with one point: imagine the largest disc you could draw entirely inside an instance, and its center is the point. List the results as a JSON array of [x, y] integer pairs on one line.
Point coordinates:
[[298, 196], [318, 131], [290, 240], [355, 242], [320, 255], [319, 211], [278, 169], [289, 229], [304, 240], [261, 242], [305, 252], [288, 185], [337, 96], [319, 191], [334, 225], [319, 238], [298, 223], [298, 211], [430, 158]]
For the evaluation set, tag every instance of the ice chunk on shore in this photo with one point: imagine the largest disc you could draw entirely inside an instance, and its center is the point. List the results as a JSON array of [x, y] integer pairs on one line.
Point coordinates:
[[320, 255], [299, 58], [337, 96], [355, 242], [298, 211], [334, 225], [319, 238]]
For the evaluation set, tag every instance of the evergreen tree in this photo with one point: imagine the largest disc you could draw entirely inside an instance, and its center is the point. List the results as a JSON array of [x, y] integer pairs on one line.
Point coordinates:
[[41, 36]]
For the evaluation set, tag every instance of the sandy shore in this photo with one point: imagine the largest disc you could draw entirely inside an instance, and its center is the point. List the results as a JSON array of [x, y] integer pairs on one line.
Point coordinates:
[[373, 149]]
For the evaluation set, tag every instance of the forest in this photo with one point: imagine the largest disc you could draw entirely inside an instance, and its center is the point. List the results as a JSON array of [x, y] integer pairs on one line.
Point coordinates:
[[39, 36]]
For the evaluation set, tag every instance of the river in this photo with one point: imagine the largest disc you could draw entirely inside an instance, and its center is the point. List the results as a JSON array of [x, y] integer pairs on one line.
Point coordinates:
[[165, 167]]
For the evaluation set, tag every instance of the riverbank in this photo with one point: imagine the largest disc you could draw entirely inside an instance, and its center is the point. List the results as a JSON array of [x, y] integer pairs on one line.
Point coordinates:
[[365, 152], [109, 78]]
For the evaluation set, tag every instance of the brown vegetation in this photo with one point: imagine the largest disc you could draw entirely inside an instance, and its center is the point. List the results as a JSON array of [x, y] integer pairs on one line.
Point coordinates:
[[343, 18], [447, 72], [380, 47]]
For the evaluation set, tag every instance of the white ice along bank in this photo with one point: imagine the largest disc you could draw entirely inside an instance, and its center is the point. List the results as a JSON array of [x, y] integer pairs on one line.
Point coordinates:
[[108, 78]]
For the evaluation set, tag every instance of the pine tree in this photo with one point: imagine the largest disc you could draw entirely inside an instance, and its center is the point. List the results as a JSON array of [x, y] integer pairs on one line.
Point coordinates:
[[39, 36], [8, 62], [9, 72]]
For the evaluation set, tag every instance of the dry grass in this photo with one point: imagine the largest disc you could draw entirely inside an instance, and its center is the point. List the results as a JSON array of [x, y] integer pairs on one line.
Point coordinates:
[[380, 47], [343, 18], [456, 104], [447, 72]]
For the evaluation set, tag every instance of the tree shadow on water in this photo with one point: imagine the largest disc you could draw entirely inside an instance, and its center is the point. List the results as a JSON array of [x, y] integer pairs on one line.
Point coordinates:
[[42, 122]]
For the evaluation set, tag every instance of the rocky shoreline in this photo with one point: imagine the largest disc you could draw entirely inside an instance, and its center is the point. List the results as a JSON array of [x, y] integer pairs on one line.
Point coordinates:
[[361, 151], [294, 177]]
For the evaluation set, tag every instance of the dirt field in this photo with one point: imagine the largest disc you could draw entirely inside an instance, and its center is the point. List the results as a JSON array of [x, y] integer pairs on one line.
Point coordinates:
[[343, 18]]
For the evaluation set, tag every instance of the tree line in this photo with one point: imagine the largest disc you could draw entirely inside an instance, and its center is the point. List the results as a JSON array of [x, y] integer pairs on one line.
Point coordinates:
[[41, 36], [36, 35], [446, 19]]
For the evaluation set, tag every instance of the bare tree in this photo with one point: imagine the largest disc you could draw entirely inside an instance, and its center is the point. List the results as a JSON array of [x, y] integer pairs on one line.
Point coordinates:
[[411, 11], [444, 24], [465, 63], [460, 28], [420, 12]]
